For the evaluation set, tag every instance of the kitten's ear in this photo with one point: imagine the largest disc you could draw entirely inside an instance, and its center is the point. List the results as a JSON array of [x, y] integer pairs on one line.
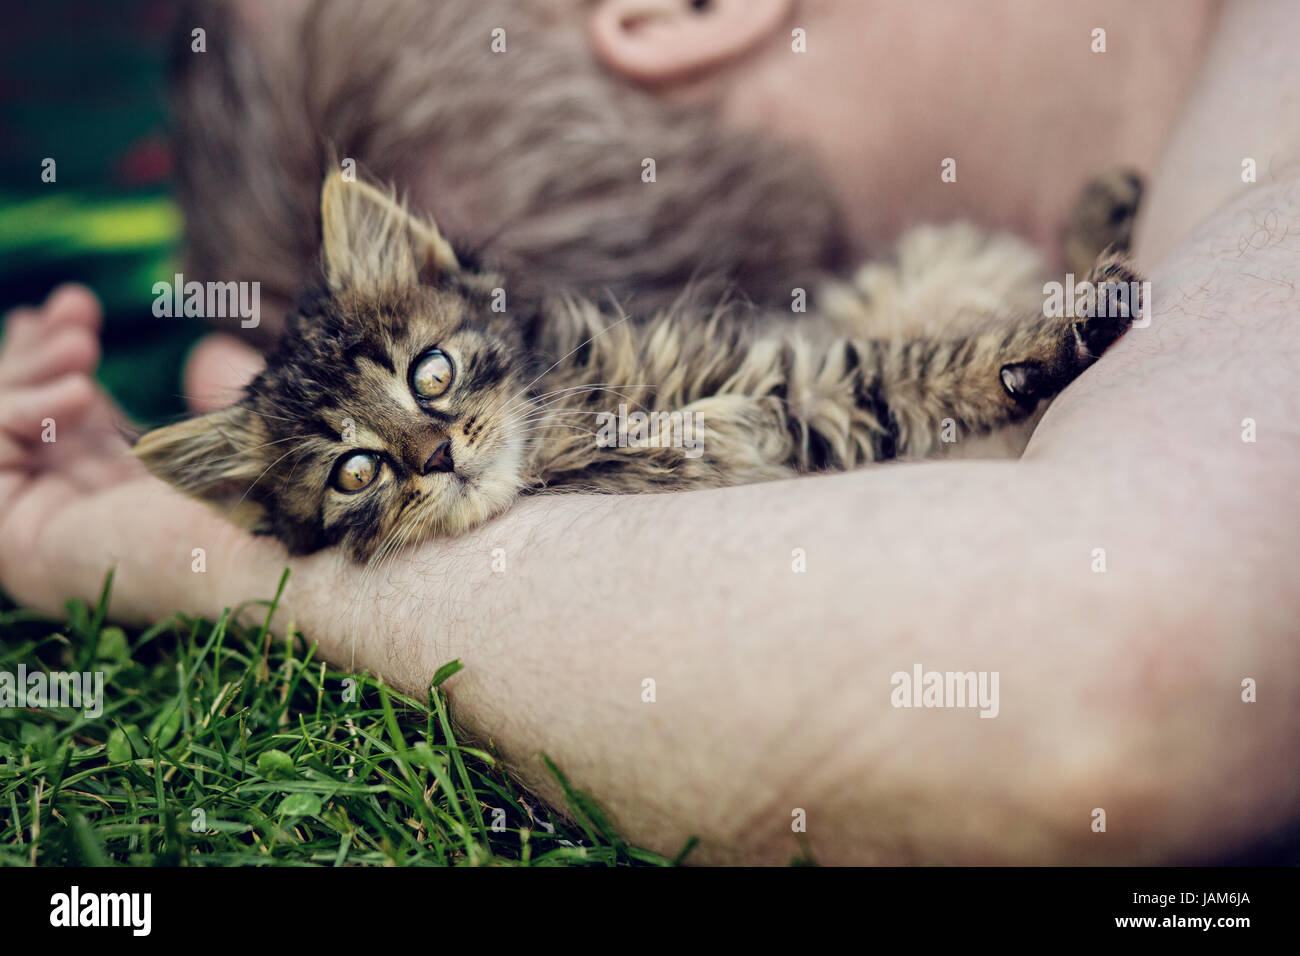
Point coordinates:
[[211, 458], [372, 243]]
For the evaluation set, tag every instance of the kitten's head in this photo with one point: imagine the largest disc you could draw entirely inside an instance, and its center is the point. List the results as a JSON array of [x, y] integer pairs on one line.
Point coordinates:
[[389, 412]]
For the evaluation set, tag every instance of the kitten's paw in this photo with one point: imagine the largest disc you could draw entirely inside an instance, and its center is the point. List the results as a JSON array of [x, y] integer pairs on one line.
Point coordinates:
[[1103, 218], [1114, 301], [1027, 382], [1109, 308], [1092, 337], [1082, 343]]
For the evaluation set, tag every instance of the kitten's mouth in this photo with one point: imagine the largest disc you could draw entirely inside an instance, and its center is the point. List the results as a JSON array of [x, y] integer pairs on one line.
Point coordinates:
[[480, 486], [467, 477], [466, 485]]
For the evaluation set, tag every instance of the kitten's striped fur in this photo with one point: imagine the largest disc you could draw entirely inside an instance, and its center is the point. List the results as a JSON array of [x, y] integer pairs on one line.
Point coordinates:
[[774, 395]]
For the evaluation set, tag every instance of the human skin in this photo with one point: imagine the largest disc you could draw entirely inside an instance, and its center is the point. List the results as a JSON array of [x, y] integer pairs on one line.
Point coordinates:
[[1120, 690], [1010, 89]]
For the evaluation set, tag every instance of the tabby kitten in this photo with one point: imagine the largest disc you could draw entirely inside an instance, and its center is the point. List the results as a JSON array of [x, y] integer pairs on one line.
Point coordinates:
[[400, 404]]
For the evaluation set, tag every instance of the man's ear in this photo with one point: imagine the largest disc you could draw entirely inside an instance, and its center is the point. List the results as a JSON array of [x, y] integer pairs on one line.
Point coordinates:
[[372, 243], [211, 458], [662, 41]]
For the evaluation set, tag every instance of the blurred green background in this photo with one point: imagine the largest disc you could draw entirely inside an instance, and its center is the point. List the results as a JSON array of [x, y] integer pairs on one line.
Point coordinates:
[[85, 84]]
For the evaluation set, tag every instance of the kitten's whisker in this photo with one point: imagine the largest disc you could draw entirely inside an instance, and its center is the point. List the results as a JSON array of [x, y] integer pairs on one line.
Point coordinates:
[[527, 425], [576, 348], [571, 388], [263, 475], [538, 404], [554, 394], [539, 437], [279, 418], [269, 400], [542, 427], [557, 413], [242, 453]]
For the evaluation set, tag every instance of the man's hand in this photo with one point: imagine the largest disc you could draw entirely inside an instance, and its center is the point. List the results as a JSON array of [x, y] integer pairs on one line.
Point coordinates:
[[59, 441], [74, 502]]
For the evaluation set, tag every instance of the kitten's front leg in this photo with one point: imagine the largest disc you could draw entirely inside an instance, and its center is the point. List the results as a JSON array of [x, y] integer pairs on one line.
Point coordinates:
[[989, 379], [1052, 364], [1103, 219]]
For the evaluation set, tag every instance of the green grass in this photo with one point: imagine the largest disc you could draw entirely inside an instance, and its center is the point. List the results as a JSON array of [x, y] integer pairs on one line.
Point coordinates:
[[222, 745]]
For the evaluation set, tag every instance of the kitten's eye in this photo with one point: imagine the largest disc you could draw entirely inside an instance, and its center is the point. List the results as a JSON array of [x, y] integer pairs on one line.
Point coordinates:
[[355, 471], [431, 375]]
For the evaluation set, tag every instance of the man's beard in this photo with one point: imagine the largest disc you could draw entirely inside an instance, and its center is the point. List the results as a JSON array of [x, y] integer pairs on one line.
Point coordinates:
[[534, 158]]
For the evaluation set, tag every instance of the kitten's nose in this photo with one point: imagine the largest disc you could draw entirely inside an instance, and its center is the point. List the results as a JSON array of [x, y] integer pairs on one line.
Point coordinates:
[[440, 460]]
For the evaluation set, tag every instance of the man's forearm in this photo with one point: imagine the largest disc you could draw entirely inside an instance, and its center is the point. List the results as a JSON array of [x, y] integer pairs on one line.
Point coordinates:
[[1238, 132]]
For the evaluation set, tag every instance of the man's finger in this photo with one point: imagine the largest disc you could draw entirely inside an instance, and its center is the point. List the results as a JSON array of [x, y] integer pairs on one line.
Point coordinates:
[[21, 328], [28, 414], [218, 368], [72, 305], [67, 349]]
